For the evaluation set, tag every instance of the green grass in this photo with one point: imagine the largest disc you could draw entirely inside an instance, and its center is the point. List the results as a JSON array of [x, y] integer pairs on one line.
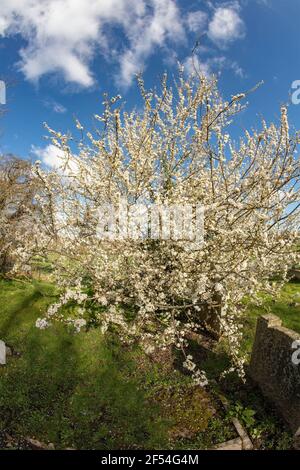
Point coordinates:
[[286, 307], [87, 391], [72, 390]]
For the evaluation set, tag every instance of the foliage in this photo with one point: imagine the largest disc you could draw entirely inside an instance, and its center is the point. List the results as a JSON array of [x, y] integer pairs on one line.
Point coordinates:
[[245, 415]]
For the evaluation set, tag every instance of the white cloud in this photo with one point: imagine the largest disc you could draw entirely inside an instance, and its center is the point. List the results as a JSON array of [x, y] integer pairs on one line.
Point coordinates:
[[59, 108], [195, 65], [50, 155], [237, 69], [152, 30], [55, 106], [226, 25], [197, 21], [211, 65], [63, 36], [55, 159]]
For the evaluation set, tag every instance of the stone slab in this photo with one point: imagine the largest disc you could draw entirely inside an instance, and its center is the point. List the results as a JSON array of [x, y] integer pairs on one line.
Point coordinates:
[[274, 368], [234, 444]]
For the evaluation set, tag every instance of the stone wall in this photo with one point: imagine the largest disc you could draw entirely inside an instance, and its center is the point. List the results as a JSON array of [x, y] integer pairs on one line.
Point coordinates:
[[273, 369]]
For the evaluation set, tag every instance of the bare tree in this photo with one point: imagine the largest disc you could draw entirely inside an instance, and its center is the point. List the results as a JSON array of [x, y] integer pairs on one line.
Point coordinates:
[[17, 189]]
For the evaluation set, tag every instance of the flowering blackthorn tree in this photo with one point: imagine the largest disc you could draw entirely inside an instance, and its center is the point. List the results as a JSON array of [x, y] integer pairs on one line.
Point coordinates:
[[175, 149]]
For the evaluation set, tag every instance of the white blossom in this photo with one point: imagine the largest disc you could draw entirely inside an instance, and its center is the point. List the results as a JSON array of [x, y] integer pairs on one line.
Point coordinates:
[[175, 150]]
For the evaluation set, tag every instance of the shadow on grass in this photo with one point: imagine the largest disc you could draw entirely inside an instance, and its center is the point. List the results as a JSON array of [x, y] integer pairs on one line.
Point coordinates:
[[73, 390], [212, 359], [13, 317], [76, 391]]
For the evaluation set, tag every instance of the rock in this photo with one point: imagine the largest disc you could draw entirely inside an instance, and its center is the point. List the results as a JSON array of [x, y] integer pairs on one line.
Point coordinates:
[[2, 353], [34, 444], [234, 444], [296, 443]]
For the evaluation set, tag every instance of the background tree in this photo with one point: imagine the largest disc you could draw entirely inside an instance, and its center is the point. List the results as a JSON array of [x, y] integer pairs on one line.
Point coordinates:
[[17, 191]]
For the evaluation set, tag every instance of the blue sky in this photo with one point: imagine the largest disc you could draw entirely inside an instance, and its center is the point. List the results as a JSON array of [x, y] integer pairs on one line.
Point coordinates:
[[60, 56]]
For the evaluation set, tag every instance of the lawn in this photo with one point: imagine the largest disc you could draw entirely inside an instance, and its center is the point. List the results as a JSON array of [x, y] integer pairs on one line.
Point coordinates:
[[87, 391], [286, 307]]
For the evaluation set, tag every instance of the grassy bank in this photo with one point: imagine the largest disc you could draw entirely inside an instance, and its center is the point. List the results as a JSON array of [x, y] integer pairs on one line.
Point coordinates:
[[86, 391]]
